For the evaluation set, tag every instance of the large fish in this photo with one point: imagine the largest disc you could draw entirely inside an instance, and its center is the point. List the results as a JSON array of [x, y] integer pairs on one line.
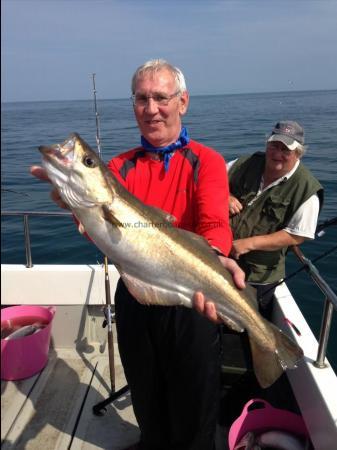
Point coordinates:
[[159, 263]]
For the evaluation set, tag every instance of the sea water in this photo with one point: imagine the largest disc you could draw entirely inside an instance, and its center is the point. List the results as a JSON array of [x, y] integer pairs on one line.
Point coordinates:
[[232, 124]]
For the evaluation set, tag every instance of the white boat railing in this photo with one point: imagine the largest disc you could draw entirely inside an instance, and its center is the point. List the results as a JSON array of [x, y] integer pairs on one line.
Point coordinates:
[[330, 297]]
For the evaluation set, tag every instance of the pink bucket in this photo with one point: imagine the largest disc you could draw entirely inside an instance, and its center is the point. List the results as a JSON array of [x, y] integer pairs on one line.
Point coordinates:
[[265, 418], [26, 355]]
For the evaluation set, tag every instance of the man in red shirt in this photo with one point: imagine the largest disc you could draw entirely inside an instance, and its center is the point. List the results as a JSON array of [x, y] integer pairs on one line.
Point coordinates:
[[171, 355]]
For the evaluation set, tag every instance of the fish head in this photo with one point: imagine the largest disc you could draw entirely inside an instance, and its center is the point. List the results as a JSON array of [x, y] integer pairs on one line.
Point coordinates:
[[78, 173]]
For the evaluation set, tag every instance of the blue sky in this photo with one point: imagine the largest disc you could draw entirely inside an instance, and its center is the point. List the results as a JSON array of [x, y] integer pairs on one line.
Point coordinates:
[[50, 48]]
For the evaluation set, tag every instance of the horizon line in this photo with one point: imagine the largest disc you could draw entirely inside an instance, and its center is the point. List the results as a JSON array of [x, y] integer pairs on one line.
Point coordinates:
[[191, 95]]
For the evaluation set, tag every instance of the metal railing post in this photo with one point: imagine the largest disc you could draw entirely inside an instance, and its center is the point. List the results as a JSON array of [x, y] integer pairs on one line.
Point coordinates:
[[25, 215], [330, 304], [29, 262], [324, 334]]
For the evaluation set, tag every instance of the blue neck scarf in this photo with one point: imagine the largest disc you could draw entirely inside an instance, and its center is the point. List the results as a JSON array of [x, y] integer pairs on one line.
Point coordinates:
[[168, 151]]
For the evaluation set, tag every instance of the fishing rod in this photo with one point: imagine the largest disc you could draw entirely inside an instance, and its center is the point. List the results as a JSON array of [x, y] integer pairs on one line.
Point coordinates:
[[108, 314], [319, 232], [98, 133], [108, 322], [327, 223], [295, 249], [107, 310]]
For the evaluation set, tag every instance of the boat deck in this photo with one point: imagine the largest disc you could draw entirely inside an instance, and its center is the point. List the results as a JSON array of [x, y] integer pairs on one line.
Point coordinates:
[[53, 409]]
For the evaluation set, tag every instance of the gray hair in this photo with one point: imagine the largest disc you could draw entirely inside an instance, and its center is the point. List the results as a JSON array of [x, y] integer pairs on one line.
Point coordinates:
[[300, 150], [156, 65]]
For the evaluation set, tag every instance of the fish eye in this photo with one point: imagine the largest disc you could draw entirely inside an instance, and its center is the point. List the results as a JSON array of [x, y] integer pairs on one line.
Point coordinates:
[[89, 162]]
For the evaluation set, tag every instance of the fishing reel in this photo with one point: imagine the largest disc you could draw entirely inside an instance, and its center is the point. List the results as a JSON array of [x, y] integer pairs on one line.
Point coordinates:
[[109, 316]]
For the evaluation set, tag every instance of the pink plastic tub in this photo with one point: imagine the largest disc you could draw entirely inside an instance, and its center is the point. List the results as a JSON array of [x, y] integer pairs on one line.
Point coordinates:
[[262, 419], [27, 355]]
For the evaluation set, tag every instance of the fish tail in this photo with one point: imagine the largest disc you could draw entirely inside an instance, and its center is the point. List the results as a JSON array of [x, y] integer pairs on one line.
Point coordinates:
[[269, 364]]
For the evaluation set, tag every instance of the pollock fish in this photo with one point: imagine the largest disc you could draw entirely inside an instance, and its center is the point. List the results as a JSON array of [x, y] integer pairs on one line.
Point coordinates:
[[160, 263], [27, 330], [9, 326]]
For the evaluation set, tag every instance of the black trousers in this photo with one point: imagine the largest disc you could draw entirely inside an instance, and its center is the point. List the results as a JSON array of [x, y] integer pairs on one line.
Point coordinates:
[[265, 296], [171, 359]]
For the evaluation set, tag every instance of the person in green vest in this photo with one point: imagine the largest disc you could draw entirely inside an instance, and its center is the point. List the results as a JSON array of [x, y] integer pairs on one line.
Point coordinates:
[[274, 203]]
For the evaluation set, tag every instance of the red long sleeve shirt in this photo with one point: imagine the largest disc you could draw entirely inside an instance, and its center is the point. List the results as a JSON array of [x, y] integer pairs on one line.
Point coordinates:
[[194, 189]]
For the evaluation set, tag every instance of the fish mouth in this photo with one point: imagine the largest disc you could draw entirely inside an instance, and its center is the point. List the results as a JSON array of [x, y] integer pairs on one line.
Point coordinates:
[[63, 153], [60, 155], [58, 160]]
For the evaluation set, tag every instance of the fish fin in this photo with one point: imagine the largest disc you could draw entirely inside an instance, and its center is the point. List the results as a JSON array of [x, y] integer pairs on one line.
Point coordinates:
[[269, 365], [148, 294], [163, 216], [108, 215]]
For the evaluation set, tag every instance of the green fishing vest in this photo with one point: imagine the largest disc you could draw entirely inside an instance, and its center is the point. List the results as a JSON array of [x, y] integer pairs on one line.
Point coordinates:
[[270, 212]]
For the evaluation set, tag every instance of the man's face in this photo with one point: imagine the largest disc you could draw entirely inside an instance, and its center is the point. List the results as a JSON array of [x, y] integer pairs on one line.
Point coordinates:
[[160, 124], [279, 159]]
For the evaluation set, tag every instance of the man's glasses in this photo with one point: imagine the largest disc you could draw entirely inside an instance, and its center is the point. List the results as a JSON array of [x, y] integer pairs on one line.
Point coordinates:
[[159, 99]]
